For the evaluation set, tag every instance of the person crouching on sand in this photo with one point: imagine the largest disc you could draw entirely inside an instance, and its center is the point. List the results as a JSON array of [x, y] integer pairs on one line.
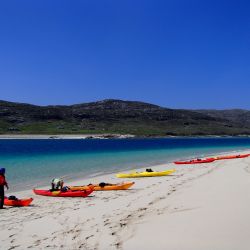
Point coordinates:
[[3, 183], [56, 184]]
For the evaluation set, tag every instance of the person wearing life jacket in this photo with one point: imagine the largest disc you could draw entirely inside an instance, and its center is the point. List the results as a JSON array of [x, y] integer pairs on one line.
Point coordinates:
[[57, 184], [3, 183]]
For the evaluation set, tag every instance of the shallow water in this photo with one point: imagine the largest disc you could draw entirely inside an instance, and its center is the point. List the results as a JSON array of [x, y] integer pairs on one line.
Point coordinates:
[[33, 162]]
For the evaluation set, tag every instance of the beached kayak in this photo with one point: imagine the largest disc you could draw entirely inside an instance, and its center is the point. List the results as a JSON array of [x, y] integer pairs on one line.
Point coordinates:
[[107, 187], [145, 174], [197, 161], [17, 202], [228, 157], [68, 193]]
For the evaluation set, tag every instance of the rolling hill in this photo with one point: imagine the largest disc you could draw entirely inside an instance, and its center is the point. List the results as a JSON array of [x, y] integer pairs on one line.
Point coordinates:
[[123, 117]]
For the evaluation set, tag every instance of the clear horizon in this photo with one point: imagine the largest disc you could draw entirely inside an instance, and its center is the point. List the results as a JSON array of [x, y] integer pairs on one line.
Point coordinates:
[[175, 54]]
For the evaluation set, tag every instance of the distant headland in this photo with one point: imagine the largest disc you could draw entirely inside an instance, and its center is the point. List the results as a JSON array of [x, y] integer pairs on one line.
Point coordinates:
[[118, 119]]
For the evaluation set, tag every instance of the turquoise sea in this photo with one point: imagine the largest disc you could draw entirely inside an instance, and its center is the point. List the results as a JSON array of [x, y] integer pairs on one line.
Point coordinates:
[[35, 162]]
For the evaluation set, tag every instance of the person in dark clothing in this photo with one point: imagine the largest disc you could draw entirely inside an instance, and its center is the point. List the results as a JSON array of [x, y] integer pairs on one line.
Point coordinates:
[[3, 183], [103, 184]]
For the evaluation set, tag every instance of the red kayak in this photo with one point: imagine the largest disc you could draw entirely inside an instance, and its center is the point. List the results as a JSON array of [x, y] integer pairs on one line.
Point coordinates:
[[197, 161], [67, 193], [227, 157], [17, 202]]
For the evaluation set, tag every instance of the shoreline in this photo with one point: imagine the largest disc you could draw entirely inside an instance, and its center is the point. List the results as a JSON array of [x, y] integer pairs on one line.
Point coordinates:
[[107, 136], [66, 136], [183, 204], [107, 174]]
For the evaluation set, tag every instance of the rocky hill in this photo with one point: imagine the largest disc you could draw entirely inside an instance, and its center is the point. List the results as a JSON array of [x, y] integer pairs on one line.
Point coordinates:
[[237, 116], [117, 116]]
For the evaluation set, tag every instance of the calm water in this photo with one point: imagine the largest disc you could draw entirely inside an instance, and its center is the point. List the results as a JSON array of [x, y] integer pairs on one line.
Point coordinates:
[[35, 162]]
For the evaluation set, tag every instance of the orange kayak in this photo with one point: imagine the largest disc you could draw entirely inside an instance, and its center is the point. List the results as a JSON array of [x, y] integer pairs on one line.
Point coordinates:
[[18, 202], [227, 157], [107, 187]]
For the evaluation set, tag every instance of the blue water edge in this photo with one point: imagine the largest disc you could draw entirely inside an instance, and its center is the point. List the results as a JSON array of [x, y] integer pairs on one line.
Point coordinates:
[[34, 162]]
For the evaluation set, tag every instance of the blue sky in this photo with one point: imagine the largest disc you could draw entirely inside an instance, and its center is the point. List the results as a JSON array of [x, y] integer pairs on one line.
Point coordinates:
[[174, 53]]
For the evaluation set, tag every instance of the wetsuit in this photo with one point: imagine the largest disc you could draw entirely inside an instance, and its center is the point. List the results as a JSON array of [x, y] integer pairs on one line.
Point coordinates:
[[2, 184], [1, 196]]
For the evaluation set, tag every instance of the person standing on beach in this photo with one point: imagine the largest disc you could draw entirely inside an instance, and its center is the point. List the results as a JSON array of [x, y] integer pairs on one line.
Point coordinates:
[[3, 183]]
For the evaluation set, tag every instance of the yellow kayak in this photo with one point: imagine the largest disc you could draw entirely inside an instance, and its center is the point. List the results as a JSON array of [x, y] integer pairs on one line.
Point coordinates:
[[107, 187], [145, 174]]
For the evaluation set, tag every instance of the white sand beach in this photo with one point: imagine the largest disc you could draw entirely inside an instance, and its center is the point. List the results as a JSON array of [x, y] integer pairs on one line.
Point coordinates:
[[65, 136], [203, 206]]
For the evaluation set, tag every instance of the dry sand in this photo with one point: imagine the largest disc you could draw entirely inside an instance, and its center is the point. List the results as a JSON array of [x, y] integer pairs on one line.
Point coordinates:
[[205, 206]]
